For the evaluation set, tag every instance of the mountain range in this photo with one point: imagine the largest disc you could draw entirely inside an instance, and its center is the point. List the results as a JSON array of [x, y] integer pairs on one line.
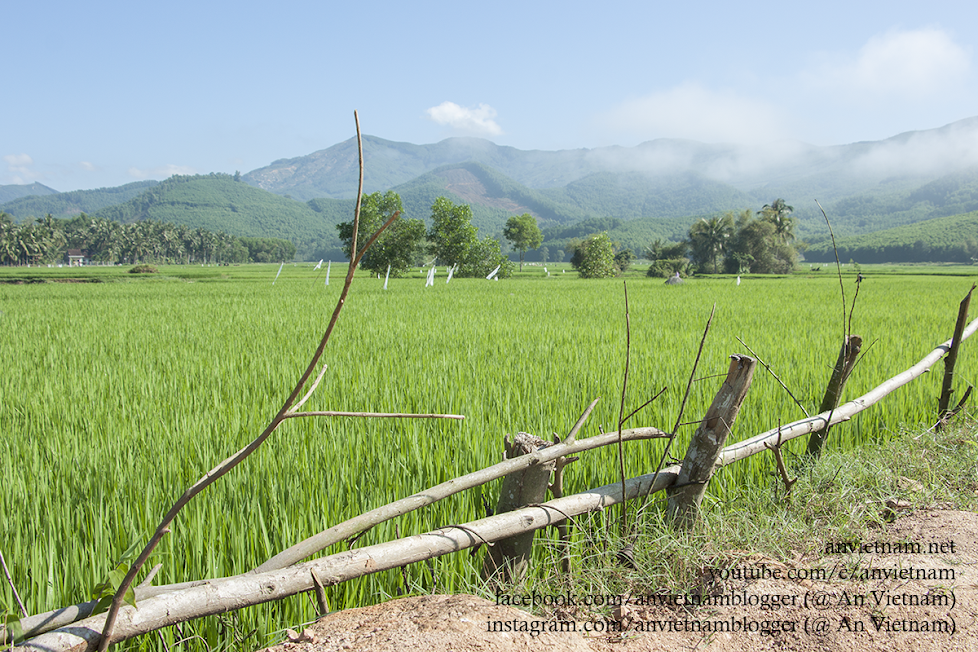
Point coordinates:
[[654, 190]]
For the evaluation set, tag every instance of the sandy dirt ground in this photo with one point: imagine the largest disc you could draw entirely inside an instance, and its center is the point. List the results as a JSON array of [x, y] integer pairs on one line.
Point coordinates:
[[913, 588]]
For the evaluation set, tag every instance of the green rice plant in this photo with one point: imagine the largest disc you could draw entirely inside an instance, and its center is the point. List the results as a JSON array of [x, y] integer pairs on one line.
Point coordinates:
[[116, 396]]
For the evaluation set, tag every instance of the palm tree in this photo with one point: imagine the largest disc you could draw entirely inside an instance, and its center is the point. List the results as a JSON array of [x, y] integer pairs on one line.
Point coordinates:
[[709, 237], [777, 213]]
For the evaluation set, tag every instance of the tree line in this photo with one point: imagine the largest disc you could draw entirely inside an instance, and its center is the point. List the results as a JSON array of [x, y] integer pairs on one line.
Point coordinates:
[[735, 243], [452, 239], [47, 241]]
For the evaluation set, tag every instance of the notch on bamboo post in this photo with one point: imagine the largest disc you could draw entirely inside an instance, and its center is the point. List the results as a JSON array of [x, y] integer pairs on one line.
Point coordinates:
[[508, 559], [704, 449], [833, 393]]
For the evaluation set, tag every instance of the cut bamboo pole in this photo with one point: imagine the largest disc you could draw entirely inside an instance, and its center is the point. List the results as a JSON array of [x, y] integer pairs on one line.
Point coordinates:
[[219, 596], [708, 441], [40, 623]]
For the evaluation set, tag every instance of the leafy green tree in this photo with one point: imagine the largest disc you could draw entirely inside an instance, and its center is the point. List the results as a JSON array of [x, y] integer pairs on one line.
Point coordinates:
[[452, 233], [524, 233], [544, 254], [709, 237], [594, 256], [623, 260], [757, 248], [483, 257], [396, 246]]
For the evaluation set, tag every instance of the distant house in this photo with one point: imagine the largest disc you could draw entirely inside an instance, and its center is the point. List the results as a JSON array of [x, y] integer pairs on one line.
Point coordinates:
[[76, 257]]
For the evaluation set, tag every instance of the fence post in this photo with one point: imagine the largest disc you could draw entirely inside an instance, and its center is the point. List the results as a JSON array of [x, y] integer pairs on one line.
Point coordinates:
[[508, 558], [840, 374], [704, 449], [944, 402]]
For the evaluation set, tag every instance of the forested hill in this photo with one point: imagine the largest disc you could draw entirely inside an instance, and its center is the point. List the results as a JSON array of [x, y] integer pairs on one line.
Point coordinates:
[[948, 239], [67, 204], [12, 192]]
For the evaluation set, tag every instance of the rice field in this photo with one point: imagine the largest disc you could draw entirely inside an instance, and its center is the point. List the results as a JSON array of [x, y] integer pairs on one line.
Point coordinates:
[[116, 396]]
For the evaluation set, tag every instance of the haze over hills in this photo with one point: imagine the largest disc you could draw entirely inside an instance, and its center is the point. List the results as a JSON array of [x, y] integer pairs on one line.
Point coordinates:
[[654, 190], [833, 172]]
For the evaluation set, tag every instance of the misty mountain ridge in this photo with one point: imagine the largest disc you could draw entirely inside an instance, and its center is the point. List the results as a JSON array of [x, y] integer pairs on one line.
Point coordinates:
[[654, 190], [777, 169]]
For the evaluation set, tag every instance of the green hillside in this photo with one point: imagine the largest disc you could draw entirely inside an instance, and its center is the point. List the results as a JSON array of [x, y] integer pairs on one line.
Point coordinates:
[[9, 193], [66, 204], [632, 195], [944, 239]]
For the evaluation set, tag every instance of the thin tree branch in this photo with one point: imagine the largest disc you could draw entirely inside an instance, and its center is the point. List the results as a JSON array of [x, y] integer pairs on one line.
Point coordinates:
[[771, 371], [580, 422], [682, 407], [838, 266], [312, 389], [621, 414], [217, 472], [13, 588], [643, 406], [378, 415]]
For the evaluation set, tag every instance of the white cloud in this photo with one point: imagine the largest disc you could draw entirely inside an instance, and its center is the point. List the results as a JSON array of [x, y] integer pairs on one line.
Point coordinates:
[[162, 171], [907, 64], [87, 166], [19, 167], [480, 120], [698, 113]]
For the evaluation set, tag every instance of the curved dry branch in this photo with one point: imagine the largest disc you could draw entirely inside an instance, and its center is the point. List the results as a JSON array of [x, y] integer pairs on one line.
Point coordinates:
[[218, 471]]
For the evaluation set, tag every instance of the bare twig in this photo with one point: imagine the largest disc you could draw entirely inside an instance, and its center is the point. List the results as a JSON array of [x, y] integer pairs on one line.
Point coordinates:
[[621, 415], [771, 371], [312, 389], [782, 469], [149, 576], [378, 415], [580, 422], [217, 472], [838, 266], [13, 588], [643, 406], [682, 407], [321, 601]]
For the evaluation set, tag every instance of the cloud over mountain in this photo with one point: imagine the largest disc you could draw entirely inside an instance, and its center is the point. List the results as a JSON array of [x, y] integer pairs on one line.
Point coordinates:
[[478, 121]]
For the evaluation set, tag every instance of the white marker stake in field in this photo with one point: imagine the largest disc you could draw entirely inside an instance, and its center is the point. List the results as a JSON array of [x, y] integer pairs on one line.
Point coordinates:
[[431, 277], [493, 273], [279, 271], [387, 277], [328, 264], [451, 271], [319, 266], [738, 280]]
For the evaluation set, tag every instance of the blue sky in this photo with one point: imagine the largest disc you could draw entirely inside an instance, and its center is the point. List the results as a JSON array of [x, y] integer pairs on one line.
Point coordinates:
[[102, 93]]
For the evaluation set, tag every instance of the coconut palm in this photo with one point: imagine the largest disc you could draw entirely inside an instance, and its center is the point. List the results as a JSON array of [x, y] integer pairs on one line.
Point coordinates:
[[778, 214], [709, 237]]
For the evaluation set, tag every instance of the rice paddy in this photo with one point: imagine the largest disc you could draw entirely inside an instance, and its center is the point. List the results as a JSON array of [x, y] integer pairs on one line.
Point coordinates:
[[116, 396]]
